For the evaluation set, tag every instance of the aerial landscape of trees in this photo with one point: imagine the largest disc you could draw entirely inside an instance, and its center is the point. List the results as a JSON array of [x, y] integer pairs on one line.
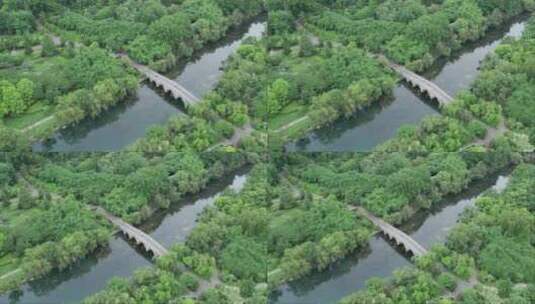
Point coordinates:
[[493, 239], [154, 33], [295, 215]]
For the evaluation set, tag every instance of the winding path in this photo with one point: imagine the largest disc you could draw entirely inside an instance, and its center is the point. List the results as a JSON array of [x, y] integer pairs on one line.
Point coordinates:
[[492, 134], [38, 123], [237, 137], [11, 273], [291, 124]]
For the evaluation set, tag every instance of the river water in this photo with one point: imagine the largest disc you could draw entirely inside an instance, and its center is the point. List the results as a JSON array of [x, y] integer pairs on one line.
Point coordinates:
[[380, 122], [122, 258], [382, 258], [123, 124]]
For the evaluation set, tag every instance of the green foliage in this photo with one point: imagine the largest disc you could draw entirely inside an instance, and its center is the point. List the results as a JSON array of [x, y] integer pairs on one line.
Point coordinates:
[[510, 260], [16, 22], [49, 48], [245, 258], [407, 286], [7, 174], [15, 98], [280, 22], [145, 50], [520, 105], [277, 96], [447, 281]]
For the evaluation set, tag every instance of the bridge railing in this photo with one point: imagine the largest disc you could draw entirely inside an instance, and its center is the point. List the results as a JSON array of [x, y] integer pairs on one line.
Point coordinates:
[[130, 231], [401, 237]]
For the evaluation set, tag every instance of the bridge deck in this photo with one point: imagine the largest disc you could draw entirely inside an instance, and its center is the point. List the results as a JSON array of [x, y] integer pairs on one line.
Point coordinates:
[[401, 237], [132, 232], [168, 85], [433, 90], [158, 250]]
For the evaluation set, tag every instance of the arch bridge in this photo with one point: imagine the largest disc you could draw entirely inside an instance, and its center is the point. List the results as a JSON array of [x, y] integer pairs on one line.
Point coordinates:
[[134, 234], [424, 85], [394, 234], [160, 81]]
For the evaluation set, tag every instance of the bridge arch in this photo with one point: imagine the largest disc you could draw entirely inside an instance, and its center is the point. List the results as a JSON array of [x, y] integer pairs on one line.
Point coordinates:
[[134, 234], [422, 84], [395, 235], [169, 86]]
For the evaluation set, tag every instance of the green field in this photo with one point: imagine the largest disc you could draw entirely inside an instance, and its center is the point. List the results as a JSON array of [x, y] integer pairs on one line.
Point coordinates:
[[34, 114], [8, 263], [290, 113]]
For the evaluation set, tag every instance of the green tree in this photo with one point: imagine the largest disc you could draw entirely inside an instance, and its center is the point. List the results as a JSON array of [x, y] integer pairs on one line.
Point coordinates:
[[26, 90], [277, 96], [11, 100], [176, 30], [48, 47], [245, 258]]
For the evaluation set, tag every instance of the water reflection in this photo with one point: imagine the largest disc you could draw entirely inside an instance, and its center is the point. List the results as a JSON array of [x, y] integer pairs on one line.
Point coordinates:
[[121, 258], [84, 278], [345, 277], [123, 124], [175, 224], [460, 71], [115, 128], [367, 129], [382, 257], [202, 74]]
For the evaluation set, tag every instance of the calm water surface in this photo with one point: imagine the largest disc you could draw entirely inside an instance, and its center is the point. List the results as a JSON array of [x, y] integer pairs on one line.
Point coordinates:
[[367, 129], [462, 70], [174, 225], [122, 258], [202, 75], [124, 124], [115, 128], [382, 258]]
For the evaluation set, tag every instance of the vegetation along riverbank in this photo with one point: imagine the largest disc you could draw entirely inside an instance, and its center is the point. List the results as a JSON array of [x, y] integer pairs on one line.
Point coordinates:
[[296, 217]]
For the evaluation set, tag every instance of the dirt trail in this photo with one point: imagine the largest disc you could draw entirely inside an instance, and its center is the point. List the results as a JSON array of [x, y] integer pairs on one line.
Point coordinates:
[[291, 124]]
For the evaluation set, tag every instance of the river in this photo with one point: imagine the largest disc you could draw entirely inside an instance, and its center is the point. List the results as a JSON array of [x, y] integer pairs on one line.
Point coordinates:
[[380, 122], [122, 258], [123, 124], [382, 258]]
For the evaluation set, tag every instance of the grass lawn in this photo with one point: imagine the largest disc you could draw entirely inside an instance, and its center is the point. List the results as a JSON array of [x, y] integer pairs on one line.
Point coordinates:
[[290, 113], [34, 67], [299, 130], [8, 263], [7, 215], [35, 113], [292, 133]]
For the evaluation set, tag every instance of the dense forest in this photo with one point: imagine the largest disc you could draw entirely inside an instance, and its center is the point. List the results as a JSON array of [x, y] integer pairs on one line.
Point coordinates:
[[48, 200], [494, 242], [309, 71], [75, 45], [320, 61], [302, 224]]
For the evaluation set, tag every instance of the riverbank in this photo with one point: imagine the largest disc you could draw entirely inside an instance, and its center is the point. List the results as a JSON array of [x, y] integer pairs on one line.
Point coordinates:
[[161, 201], [122, 126], [367, 129], [382, 256], [491, 274], [122, 258]]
